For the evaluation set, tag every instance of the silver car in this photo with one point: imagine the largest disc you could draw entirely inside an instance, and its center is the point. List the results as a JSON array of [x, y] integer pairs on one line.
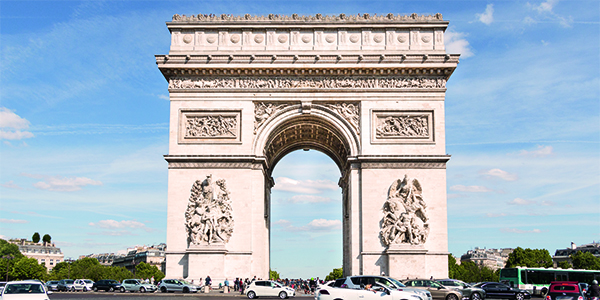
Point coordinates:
[[467, 290], [174, 285], [134, 285]]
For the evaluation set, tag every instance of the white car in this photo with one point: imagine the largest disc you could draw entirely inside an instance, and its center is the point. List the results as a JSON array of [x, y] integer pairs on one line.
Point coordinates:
[[268, 288], [83, 284], [377, 292], [25, 290]]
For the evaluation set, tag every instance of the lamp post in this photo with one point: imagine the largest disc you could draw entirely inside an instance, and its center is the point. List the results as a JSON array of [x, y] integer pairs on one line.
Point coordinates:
[[8, 259]]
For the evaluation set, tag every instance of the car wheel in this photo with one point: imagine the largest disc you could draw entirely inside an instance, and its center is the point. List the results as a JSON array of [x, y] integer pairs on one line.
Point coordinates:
[[475, 296], [519, 296], [111, 289], [95, 289], [163, 289], [282, 295], [85, 289], [72, 289], [122, 290], [186, 290], [251, 295], [142, 290], [451, 297]]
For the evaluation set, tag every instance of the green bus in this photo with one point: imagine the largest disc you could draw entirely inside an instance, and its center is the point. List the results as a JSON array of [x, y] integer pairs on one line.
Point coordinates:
[[537, 280]]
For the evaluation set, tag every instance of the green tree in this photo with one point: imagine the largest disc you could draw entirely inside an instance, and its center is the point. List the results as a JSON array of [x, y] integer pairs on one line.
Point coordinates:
[[46, 238], [565, 265], [533, 258], [35, 238], [335, 274], [9, 249], [145, 270], [453, 267], [119, 273], [28, 268], [586, 261], [273, 275]]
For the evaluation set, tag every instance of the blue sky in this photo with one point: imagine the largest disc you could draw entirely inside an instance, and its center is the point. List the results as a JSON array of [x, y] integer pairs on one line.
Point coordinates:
[[84, 124]]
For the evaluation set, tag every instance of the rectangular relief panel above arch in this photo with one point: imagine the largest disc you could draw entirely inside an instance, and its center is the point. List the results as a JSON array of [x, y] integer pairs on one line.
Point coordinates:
[[402, 127], [210, 126]]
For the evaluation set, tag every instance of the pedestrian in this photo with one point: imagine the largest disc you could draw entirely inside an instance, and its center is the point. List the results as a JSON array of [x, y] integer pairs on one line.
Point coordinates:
[[594, 290], [208, 282]]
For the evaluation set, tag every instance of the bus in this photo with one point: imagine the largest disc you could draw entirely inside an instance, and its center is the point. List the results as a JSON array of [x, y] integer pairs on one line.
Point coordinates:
[[537, 280]]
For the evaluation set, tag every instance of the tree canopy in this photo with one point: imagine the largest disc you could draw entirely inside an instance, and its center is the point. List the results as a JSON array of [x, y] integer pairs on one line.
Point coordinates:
[[468, 271], [35, 238], [586, 261], [533, 258], [335, 274], [46, 238]]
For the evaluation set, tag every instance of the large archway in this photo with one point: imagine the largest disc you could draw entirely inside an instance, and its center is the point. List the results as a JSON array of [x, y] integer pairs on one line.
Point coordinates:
[[366, 91]]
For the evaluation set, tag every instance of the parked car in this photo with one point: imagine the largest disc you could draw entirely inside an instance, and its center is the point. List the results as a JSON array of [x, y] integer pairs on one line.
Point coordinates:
[[437, 290], [52, 285], [2, 284], [360, 281], [25, 290], [174, 285], [65, 285], [107, 285], [134, 285], [376, 292], [565, 290], [86, 284], [266, 288], [500, 290], [466, 289]]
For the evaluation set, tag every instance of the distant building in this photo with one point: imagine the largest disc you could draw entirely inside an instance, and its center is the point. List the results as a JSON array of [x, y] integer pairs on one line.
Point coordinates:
[[492, 258], [565, 254], [45, 253], [153, 255], [105, 259]]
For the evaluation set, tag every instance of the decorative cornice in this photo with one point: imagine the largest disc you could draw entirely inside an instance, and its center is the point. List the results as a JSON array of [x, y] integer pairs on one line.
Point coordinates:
[[215, 161], [318, 18]]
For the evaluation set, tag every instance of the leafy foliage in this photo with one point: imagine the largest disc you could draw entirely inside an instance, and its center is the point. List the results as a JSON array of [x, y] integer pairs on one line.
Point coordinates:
[[565, 265], [470, 272], [145, 270], [586, 261], [335, 274], [28, 268], [36, 237], [46, 238], [273, 275], [533, 258]]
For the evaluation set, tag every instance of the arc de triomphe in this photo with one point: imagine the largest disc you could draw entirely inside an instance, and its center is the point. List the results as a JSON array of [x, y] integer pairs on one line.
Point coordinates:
[[368, 91]]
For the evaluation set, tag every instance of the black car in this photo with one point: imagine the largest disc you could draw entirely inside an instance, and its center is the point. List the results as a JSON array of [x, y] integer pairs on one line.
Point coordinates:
[[108, 285], [498, 290]]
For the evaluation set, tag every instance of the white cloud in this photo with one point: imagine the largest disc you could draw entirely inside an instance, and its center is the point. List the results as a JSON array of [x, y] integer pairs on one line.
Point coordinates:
[[519, 201], [457, 44], [317, 225], [545, 9], [13, 221], [470, 189], [309, 199], [113, 224], [539, 152], [487, 17], [11, 185], [515, 230], [546, 6], [500, 174], [303, 186], [62, 184], [164, 97], [11, 125]]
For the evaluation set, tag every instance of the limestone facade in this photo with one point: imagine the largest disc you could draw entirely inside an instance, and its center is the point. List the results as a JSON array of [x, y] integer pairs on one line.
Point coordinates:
[[368, 91]]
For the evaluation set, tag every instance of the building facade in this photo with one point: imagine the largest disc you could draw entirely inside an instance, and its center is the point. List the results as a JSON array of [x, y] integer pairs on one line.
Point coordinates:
[[565, 254], [45, 253], [492, 258]]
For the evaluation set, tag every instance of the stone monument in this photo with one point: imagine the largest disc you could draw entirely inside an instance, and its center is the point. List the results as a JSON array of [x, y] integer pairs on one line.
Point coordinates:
[[368, 91]]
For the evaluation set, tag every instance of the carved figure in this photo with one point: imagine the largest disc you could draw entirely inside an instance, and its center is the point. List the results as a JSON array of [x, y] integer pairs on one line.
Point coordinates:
[[365, 18], [262, 111], [405, 218], [403, 126], [208, 219], [211, 126], [349, 111]]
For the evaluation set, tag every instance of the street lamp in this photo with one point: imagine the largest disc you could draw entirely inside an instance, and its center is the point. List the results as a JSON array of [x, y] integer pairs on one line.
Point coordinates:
[[8, 259]]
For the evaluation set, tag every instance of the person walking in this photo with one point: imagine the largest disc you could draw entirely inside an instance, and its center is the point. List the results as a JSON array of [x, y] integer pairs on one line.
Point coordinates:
[[594, 290], [208, 282]]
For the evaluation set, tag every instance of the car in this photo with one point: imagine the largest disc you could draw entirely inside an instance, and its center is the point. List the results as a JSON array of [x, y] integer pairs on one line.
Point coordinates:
[[466, 289], [52, 285], [500, 290], [437, 290], [584, 287], [565, 290], [174, 285], [25, 290], [360, 281], [134, 285], [107, 285], [86, 284], [266, 288], [65, 285], [369, 292], [2, 284]]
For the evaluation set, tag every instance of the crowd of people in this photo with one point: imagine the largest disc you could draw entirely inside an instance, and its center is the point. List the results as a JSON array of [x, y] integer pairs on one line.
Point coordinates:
[[307, 286]]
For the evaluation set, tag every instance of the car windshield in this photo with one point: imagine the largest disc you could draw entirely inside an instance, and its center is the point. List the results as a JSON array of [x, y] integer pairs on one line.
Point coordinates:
[[396, 282], [24, 288], [69, 281], [478, 285], [88, 281]]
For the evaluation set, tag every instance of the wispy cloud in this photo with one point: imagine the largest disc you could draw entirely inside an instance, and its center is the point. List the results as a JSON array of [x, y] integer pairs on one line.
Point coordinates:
[[61, 184], [13, 221], [519, 201], [11, 185], [515, 230], [497, 173], [303, 186], [12, 125], [539, 152], [317, 225], [456, 43], [308, 199], [487, 17], [113, 224], [470, 189], [546, 11]]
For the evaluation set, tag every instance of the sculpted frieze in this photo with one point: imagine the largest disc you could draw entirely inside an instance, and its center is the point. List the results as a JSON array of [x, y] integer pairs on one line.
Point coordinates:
[[263, 111], [402, 126], [320, 82], [208, 218], [206, 125], [316, 18], [350, 111], [405, 215]]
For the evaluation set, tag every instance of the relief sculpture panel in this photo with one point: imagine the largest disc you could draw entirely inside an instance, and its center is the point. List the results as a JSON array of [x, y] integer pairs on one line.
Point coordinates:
[[263, 111], [350, 111], [208, 218], [198, 126], [405, 216], [402, 127]]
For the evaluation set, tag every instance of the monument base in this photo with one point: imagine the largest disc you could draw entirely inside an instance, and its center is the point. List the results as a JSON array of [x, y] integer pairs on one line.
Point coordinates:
[[414, 261]]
